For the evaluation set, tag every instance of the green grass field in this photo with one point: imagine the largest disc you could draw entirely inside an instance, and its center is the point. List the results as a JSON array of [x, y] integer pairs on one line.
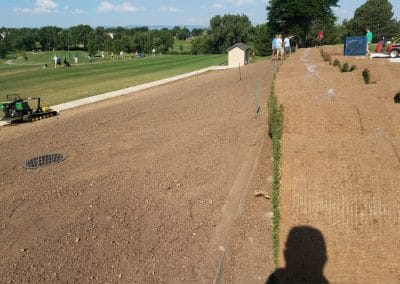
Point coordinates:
[[58, 85], [182, 46]]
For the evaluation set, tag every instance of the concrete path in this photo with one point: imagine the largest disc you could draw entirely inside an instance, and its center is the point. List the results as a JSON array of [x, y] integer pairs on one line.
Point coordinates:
[[130, 90]]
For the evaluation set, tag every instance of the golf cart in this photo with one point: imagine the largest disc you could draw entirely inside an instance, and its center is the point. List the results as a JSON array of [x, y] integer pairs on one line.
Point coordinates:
[[393, 48]]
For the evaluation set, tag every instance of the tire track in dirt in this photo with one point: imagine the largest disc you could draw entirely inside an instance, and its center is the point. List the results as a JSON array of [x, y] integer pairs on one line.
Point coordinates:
[[232, 208]]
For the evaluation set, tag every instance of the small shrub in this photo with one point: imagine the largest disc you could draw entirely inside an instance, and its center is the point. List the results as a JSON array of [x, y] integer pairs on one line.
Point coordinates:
[[352, 68], [336, 62], [327, 57], [397, 98], [367, 76], [345, 67], [25, 56]]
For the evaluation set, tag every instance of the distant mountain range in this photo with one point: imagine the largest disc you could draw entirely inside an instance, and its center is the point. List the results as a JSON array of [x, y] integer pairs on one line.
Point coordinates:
[[159, 27]]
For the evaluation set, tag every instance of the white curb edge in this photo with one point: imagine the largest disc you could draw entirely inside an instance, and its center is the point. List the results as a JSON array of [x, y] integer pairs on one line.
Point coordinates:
[[113, 94]]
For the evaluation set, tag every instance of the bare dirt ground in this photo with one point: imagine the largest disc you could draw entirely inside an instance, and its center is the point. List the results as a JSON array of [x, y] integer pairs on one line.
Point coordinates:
[[341, 165], [156, 187]]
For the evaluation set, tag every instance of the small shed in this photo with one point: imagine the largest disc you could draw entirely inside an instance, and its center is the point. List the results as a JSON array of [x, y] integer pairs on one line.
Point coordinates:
[[238, 55]]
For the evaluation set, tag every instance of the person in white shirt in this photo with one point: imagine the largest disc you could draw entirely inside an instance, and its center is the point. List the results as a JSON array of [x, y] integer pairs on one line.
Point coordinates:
[[286, 43], [279, 47]]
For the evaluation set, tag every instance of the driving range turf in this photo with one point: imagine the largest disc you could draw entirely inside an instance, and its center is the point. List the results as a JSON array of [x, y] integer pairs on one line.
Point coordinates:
[[62, 84]]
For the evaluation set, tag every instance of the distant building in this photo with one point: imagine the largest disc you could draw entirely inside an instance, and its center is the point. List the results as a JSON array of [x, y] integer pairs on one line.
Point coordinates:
[[111, 35], [238, 55]]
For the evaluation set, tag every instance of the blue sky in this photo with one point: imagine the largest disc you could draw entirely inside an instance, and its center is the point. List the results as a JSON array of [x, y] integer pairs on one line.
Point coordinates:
[[66, 13]]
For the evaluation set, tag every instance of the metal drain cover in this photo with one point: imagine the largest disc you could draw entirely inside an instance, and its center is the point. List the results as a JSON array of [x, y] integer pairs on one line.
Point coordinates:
[[44, 160]]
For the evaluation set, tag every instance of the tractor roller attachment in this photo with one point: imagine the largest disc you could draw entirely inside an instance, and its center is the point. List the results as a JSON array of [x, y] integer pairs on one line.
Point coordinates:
[[17, 109]]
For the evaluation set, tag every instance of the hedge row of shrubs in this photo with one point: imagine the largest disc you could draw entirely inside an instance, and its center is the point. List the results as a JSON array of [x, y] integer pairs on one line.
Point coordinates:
[[275, 122], [343, 68]]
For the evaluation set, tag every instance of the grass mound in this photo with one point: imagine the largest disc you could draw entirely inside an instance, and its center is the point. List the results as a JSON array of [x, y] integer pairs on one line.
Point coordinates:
[[275, 131]]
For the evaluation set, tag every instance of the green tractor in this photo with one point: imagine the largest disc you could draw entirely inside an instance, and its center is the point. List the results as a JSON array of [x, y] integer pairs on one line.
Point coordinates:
[[17, 109]]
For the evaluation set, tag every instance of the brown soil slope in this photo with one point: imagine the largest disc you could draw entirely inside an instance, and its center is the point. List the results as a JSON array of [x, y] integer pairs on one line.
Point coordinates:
[[341, 165], [149, 191]]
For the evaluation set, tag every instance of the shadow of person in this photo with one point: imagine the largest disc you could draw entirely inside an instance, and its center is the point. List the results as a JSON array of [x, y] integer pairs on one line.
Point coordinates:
[[305, 257]]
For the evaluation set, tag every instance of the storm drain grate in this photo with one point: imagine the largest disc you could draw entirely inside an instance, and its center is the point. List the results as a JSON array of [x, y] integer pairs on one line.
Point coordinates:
[[44, 160]]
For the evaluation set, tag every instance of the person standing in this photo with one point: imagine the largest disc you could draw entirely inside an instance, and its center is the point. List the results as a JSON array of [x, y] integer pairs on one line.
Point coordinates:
[[320, 37], [369, 40], [286, 43], [55, 58], [274, 47], [279, 47]]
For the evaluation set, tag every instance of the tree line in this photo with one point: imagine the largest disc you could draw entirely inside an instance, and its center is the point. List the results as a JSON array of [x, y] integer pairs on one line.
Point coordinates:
[[304, 18], [299, 18], [84, 37]]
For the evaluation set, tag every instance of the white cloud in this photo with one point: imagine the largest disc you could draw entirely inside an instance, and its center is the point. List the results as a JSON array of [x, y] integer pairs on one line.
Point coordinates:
[[106, 6], [41, 7], [126, 7], [46, 4], [223, 3], [170, 9], [217, 6], [241, 2], [67, 10], [78, 11]]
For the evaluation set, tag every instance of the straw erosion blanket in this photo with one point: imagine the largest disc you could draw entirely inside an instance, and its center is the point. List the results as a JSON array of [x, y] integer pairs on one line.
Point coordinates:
[[340, 167], [157, 186]]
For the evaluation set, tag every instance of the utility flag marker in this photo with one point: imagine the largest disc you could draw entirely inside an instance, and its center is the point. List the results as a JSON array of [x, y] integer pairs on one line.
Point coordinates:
[[257, 98]]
